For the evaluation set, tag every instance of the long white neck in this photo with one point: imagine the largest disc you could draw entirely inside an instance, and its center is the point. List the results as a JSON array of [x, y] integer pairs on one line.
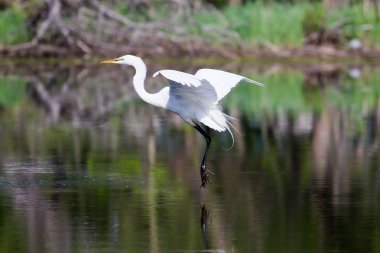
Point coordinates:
[[156, 99]]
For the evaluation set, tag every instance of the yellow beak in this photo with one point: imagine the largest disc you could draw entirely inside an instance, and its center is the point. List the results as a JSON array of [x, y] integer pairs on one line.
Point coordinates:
[[109, 61]]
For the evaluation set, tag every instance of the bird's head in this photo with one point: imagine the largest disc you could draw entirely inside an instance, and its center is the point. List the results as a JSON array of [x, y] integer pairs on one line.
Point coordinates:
[[125, 59]]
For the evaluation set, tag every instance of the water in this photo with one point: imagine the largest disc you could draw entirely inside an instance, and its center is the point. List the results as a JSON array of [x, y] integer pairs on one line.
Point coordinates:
[[85, 166]]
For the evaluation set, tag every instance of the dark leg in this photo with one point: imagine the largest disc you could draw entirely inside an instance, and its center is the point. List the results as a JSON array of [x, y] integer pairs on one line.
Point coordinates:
[[203, 171]]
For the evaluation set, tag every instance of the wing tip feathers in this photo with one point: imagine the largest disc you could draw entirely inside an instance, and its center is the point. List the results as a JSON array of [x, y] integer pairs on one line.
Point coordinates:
[[254, 82]]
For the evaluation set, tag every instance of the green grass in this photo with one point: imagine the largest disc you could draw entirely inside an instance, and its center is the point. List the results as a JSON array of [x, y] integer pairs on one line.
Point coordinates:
[[13, 28], [276, 23], [358, 22], [257, 22], [286, 24]]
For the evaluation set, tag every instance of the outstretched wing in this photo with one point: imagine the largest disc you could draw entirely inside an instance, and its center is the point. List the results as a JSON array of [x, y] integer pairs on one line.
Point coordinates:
[[222, 81], [193, 99], [179, 77]]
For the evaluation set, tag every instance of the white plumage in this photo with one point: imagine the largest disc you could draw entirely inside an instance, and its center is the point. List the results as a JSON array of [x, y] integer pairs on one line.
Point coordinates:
[[193, 97], [179, 77], [222, 81]]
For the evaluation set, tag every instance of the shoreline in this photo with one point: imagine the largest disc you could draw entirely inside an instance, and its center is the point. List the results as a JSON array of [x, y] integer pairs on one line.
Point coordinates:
[[200, 50]]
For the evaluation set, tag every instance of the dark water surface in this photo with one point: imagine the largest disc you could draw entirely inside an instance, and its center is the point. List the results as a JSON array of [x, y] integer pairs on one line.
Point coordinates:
[[86, 166]]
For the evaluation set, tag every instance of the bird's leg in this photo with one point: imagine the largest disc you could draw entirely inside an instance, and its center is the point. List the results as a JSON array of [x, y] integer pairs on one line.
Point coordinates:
[[204, 172]]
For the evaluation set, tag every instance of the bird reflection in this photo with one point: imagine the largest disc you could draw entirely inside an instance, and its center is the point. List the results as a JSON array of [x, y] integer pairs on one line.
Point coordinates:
[[205, 214]]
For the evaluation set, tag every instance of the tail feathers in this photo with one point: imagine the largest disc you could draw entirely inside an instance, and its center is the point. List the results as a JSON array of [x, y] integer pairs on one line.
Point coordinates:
[[208, 121], [215, 119], [220, 122], [229, 124], [233, 139]]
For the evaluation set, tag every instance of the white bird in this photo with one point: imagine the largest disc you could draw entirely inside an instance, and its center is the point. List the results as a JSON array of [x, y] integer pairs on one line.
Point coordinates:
[[193, 97]]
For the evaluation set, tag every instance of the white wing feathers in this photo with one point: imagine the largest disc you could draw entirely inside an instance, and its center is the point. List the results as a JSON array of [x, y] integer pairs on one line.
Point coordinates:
[[195, 97], [222, 81], [179, 77]]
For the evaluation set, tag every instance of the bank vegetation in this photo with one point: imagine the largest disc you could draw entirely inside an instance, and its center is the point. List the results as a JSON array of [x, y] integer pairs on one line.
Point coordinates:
[[41, 28]]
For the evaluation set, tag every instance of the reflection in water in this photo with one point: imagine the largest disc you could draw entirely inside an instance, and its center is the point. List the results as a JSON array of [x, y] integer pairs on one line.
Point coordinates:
[[204, 222], [46, 225], [85, 167]]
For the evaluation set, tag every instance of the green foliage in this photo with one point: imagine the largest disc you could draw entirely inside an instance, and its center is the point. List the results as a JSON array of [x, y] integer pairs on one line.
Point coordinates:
[[286, 24], [13, 28], [276, 23], [257, 22], [314, 18], [360, 23]]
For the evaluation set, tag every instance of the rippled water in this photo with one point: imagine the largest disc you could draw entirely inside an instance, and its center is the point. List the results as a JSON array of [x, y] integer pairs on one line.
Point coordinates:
[[85, 166]]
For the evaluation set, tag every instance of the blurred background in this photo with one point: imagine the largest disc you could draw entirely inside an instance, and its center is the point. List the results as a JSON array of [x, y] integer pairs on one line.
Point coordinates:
[[86, 166]]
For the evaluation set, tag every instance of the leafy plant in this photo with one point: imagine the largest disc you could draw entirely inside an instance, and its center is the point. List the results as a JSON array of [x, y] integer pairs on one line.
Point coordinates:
[[314, 18], [12, 26]]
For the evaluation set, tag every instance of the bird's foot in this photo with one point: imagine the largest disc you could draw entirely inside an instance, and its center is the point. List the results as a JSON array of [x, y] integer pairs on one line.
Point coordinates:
[[205, 176]]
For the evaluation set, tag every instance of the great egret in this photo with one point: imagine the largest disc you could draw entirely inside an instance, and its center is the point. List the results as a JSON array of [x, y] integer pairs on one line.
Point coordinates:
[[193, 97]]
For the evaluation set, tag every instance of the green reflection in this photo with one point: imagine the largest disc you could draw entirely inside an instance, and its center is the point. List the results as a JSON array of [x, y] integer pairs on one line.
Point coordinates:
[[80, 172], [12, 90]]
